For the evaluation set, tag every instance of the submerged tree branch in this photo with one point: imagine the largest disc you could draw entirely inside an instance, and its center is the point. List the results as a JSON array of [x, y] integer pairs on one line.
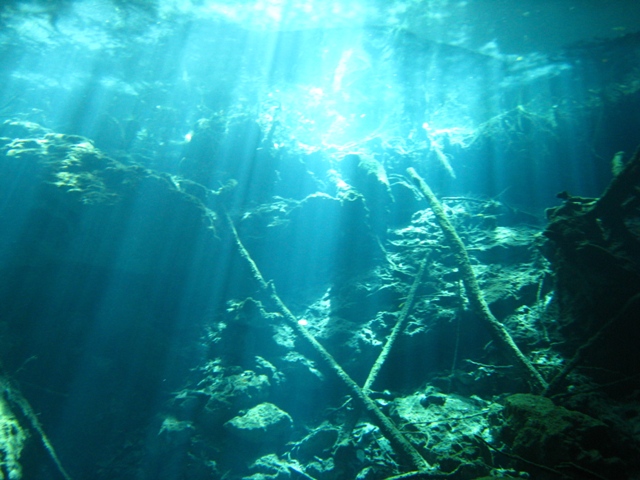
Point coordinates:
[[476, 299], [397, 329], [403, 448]]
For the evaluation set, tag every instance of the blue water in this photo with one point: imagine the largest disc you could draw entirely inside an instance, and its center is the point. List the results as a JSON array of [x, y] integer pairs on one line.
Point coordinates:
[[132, 131]]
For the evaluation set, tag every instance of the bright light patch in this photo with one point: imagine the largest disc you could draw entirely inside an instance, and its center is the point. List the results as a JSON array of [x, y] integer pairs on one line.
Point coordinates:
[[316, 93], [275, 13], [303, 322]]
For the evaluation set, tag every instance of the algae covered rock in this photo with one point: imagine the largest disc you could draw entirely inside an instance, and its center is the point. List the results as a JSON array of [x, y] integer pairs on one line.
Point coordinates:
[[369, 177], [86, 208], [12, 442], [543, 433], [261, 423]]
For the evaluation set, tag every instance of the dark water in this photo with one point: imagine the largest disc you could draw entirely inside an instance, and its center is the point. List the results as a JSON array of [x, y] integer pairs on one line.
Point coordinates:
[[192, 192]]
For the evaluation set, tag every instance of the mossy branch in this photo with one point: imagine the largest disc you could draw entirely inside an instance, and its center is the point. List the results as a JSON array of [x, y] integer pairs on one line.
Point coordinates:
[[478, 304], [397, 329]]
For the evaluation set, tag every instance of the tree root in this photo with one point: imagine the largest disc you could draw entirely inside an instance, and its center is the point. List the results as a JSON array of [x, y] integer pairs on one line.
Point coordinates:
[[592, 234]]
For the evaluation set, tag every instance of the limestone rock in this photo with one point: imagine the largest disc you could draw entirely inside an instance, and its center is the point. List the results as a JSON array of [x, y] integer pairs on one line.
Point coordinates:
[[546, 434], [262, 423]]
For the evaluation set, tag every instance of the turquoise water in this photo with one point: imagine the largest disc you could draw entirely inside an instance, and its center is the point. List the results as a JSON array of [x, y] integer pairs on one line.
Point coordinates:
[[210, 235]]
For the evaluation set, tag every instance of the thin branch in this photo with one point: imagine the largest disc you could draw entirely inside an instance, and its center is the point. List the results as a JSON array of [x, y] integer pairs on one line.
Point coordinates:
[[518, 457], [397, 329]]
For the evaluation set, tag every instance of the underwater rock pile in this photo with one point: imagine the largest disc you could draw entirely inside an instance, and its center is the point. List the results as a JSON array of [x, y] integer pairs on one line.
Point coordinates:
[[555, 440], [274, 379], [594, 248]]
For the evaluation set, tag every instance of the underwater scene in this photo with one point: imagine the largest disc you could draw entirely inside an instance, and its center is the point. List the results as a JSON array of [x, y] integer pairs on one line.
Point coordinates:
[[319, 239]]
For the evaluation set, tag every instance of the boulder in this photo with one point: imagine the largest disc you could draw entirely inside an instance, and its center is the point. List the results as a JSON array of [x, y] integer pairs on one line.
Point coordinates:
[[261, 424], [545, 434]]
